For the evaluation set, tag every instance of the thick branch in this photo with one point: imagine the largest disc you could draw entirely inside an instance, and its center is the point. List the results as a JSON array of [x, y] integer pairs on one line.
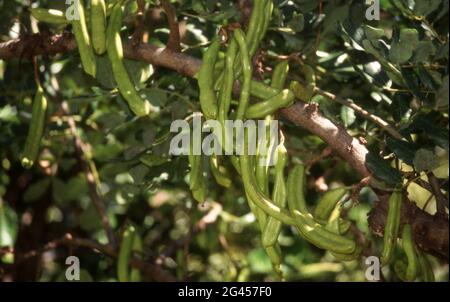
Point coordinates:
[[430, 232], [306, 116], [303, 115], [350, 149], [37, 44]]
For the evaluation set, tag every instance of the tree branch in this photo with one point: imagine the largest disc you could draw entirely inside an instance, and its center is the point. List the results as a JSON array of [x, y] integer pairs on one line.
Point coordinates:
[[327, 152], [441, 200], [210, 217], [137, 36], [152, 271], [304, 115], [350, 149], [430, 232], [174, 35], [82, 151], [37, 44], [361, 111]]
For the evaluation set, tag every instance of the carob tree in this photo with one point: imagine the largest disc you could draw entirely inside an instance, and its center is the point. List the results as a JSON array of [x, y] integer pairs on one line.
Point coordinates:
[[261, 60]]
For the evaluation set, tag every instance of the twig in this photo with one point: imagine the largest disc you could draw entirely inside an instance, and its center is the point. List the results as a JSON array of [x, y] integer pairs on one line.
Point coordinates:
[[364, 113], [427, 203], [360, 238], [174, 35], [412, 177], [36, 72], [137, 36], [186, 256], [82, 150], [424, 184], [442, 40], [356, 189], [153, 271], [71, 241], [327, 152], [319, 30], [441, 200], [209, 218]]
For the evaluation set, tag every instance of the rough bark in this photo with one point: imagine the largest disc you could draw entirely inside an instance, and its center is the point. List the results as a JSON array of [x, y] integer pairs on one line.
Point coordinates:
[[430, 231]]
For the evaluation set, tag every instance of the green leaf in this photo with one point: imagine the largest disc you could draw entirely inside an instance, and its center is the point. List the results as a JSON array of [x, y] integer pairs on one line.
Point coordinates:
[[292, 41], [427, 124], [442, 171], [348, 116], [178, 109], [138, 173], [134, 151], [426, 7], [224, 15], [400, 108], [423, 52], [36, 190], [402, 149], [8, 225], [65, 164], [307, 6], [402, 49], [409, 37], [382, 169], [198, 7], [110, 170], [9, 114], [138, 71], [107, 151], [369, 46], [412, 81], [58, 188], [90, 220], [71, 190], [442, 95], [336, 15], [155, 96], [152, 160], [110, 120], [427, 79], [259, 262], [370, 68], [425, 160], [297, 23], [373, 33]]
